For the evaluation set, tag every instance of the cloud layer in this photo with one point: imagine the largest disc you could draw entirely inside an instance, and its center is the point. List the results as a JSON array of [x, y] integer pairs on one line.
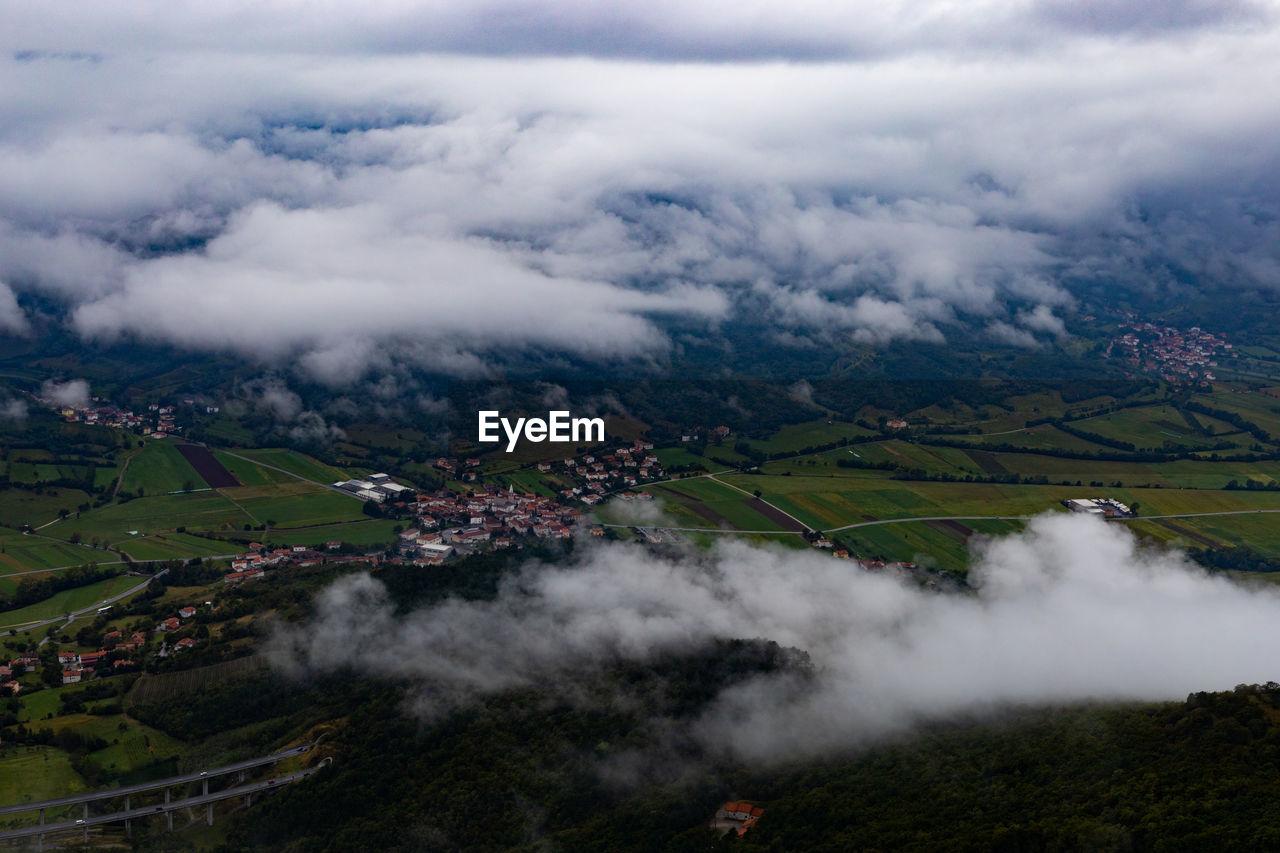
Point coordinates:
[[455, 182], [1071, 609]]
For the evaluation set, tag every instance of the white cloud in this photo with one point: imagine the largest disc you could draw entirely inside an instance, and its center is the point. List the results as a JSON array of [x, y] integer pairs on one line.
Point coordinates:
[[370, 190], [1072, 609], [13, 320], [73, 392]]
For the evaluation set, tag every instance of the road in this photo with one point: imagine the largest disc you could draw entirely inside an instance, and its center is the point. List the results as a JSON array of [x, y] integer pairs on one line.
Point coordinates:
[[133, 814], [184, 779], [68, 618]]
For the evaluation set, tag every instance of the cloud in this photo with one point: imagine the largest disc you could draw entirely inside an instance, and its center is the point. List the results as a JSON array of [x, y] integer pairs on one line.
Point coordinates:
[[73, 393], [637, 512], [706, 30], [13, 320], [1072, 609], [424, 184], [272, 396], [13, 409]]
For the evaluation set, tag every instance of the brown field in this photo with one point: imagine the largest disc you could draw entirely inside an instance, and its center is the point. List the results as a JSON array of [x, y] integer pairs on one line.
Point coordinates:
[[208, 467]]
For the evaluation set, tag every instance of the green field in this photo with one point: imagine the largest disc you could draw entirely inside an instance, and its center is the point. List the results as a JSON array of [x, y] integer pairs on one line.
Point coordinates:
[[20, 506], [20, 552], [671, 457], [825, 502], [118, 522], [1042, 437], [795, 437], [526, 481], [297, 463], [372, 531], [296, 504], [168, 546], [68, 600], [719, 505], [135, 746], [250, 473], [1258, 407], [34, 773], [931, 544], [159, 469], [1154, 427]]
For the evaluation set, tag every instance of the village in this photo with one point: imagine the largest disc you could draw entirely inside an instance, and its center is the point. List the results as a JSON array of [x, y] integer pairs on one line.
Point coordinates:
[[1173, 354], [115, 653]]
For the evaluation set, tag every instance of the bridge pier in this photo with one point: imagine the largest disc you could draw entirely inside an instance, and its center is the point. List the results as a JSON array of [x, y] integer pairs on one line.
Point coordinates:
[[209, 814], [86, 826], [167, 813], [128, 824], [206, 787]]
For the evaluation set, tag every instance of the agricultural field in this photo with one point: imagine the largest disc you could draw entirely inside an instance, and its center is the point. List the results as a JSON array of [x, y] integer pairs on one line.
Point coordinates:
[[1259, 532], [159, 469], [295, 463], [795, 437], [22, 506], [23, 553], [152, 688], [296, 504], [120, 522], [703, 502], [250, 473], [1152, 427], [170, 546], [34, 773], [67, 601], [673, 457], [1042, 437], [1259, 407], [529, 481], [933, 544], [826, 502], [370, 532]]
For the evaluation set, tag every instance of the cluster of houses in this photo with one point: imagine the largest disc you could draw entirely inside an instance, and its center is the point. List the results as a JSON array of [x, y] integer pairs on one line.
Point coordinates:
[[589, 477], [9, 673], [594, 475], [449, 523], [253, 563], [1175, 355], [122, 653], [157, 421]]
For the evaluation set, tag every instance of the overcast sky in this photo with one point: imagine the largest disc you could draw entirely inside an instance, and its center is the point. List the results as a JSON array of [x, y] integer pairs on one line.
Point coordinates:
[[318, 185]]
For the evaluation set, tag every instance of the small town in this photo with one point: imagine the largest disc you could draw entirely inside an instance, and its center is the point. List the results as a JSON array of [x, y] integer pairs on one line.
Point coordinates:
[[1173, 354]]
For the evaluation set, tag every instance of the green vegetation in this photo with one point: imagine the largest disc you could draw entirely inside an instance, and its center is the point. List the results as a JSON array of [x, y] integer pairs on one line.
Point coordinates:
[[68, 601], [296, 463], [159, 469], [32, 552], [1183, 776], [32, 773]]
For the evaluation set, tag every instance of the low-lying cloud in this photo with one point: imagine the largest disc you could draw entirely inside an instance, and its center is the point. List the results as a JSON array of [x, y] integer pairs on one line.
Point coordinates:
[[1071, 609], [556, 191], [73, 392]]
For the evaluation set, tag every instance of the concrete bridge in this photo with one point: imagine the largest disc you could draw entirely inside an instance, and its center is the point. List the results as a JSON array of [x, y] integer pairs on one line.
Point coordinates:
[[128, 814]]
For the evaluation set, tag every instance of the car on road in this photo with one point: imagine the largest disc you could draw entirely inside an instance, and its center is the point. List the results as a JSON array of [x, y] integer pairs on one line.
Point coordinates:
[[204, 772], [79, 821]]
